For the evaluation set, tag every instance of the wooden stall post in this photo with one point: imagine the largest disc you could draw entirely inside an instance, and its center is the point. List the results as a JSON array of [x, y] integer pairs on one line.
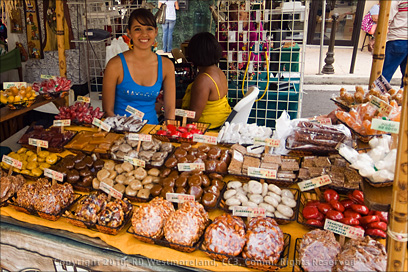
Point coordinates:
[[398, 220], [60, 37], [380, 40]]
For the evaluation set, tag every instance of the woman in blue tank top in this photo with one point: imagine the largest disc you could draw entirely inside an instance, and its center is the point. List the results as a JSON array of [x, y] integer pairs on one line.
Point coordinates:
[[134, 78]]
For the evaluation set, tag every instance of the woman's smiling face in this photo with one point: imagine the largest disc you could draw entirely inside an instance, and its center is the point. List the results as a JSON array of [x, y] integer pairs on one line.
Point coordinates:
[[143, 36]]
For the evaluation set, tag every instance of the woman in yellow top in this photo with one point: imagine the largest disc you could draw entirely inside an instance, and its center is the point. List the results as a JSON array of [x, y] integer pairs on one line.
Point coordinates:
[[207, 95]]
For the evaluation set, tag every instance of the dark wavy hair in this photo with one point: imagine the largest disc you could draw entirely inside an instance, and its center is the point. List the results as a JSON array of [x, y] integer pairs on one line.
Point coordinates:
[[204, 49], [143, 16]]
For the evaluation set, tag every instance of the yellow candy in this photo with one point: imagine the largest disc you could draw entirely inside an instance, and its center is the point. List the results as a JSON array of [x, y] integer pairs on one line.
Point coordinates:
[[32, 158], [43, 154], [22, 150], [51, 159], [25, 172], [29, 153], [31, 165], [15, 169], [40, 159], [44, 165], [5, 166], [24, 165], [36, 172]]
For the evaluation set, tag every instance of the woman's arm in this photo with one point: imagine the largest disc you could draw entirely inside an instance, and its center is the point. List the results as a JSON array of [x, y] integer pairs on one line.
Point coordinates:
[[176, 5], [200, 92], [169, 89], [160, 4], [110, 80]]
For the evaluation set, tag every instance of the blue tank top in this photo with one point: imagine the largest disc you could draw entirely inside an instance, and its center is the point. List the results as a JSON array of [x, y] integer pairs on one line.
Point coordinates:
[[142, 98]]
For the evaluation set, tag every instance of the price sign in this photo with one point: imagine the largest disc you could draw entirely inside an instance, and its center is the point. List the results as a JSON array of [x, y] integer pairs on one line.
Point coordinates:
[[179, 198], [140, 137], [7, 85], [382, 84], [314, 183], [84, 99], [267, 142], [47, 77], [100, 124], [38, 143], [248, 211], [135, 112], [110, 190], [13, 162], [185, 113], [134, 161], [205, 139], [190, 166], [236, 155], [262, 173], [342, 229], [62, 123], [382, 106], [386, 126], [53, 174]]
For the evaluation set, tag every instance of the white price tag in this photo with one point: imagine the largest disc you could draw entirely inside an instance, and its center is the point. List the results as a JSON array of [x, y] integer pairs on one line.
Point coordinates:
[[135, 112], [62, 123], [342, 229], [314, 183], [205, 139], [110, 190], [53, 174], [267, 142], [386, 126], [190, 166], [7, 85], [179, 198], [248, 211], [13, 162], [140, 137], [101, 124], [185, 113], [134, 161], [382, 106], [40, 143], [84, 99], [262, 173], [47, 77]]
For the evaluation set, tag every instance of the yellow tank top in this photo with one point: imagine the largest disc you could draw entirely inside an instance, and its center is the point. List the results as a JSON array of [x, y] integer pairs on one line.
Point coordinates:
[[215, 112]]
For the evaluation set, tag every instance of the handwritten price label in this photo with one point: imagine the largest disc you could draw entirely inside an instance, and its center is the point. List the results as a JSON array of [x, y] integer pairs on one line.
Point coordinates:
[[40, 143], [190, 166], [382, 106], [342, 229], [185, 113], [53, 174], [262, 173], [100, 124], [134, 161], [7, 85], [110, 190], [248, 211], [386, 126], [179, 198], [84, 99], [140, 137], [135, 112], [62, 123], [47, 77], [267, 142], [13, 162], [205, 139], [314, 183]]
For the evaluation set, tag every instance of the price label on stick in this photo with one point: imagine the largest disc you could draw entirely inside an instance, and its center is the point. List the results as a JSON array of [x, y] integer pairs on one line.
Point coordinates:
[[7, 85], [84, 99], [190, 166], [38, 143], [205, 139], [386, 126], [47, 77], [185, 113], [100, 124], [262, 173], [179, 198], [53, 174], [342, 229], [12, 162], [248, 211], [135, 112], [314, 183], [267, 142], [62, 123], [135, 162], [382, 106], [140, 137], [110, 190]]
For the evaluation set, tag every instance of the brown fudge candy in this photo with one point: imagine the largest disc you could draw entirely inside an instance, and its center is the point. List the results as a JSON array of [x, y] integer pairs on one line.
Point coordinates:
[[308, 161], [239, 148], [322, 162], [340, 162], [316, 171], [269, 158], [353, 178], [337, 178], [304, 173], [290, 165], [273, 166], [337, 169], [235, 167], [249, 162], [286, 175]]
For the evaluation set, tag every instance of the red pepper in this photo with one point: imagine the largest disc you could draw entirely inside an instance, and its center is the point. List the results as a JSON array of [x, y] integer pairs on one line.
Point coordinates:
[[352, 214], [182, 129], [187, 135], [171, 127], [313, 203], [330, 194], [337, 205], [310, 212], [196, 131], [361, 209], [191, 126], [378, 225], [359, 196], [334, 215], [175, 134], [314, 222], [369, 219], [346, 203], [324, 208], [376, 232], [349, 221], [320, 217], [359, 227], [382, 215], [161, 132]]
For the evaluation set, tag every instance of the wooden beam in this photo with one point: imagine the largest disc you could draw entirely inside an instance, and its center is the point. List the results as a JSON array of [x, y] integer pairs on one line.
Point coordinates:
[[60, 37]]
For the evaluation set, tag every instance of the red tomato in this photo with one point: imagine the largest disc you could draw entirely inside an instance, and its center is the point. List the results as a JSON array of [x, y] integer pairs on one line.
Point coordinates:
[[376, 232], [359, 196], [382, 215], [314, 222], [352, 214], [378, 225], [361, 209], [337, 205], [334, 215], [310, 212], [346, 203], [330, 194], [324, 208], [313, 203], [349, 221], [369, 219]]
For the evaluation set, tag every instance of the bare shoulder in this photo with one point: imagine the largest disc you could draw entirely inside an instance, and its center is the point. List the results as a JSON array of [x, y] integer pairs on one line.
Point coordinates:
[[114, 63], [167, 63]]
